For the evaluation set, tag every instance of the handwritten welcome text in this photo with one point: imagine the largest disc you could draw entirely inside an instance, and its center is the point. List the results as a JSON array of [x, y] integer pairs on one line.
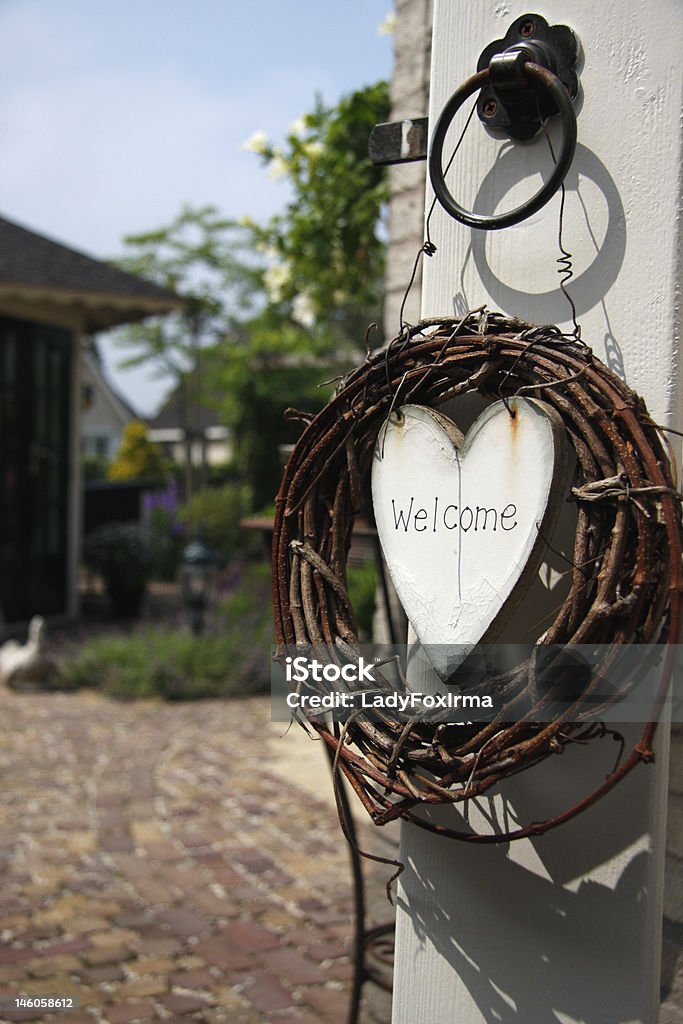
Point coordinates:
[[450, 517]]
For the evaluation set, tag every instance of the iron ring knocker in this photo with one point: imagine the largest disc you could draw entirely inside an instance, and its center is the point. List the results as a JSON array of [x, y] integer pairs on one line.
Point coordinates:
[[565, 107]]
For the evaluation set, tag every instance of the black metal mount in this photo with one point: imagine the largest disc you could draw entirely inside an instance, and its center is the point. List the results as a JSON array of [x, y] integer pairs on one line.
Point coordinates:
[[531, 73], [522, 79], [507, 103]]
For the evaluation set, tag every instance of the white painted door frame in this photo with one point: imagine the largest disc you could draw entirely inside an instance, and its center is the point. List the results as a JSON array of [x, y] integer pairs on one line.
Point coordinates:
[[565, 928]]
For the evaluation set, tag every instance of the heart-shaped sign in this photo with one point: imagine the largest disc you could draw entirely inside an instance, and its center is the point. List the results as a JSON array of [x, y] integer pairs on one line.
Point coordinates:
[[461, 520]]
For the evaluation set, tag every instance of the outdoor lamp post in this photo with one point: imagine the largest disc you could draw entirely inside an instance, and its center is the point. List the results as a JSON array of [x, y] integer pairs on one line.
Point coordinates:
[[198, 581]]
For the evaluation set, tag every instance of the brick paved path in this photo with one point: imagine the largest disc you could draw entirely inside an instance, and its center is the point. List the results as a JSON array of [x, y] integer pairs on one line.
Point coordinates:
[[151, 866], [154, 866]]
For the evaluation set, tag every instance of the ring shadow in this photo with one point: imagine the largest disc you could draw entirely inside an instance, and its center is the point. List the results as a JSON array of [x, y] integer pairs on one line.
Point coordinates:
[[587, 289]]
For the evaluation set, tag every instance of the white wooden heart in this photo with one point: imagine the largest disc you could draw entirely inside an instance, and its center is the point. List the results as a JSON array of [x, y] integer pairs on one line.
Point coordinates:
[[461, 520]]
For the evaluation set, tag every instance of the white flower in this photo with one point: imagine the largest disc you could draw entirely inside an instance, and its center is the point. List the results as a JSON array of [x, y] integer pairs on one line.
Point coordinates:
[[388, 26], [256, 143], [303, 310], [278, 166], [275, 280], [312, 149], [298, 127]]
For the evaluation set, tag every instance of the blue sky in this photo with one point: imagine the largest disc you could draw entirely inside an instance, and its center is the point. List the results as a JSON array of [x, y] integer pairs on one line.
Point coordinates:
[[112, 114]]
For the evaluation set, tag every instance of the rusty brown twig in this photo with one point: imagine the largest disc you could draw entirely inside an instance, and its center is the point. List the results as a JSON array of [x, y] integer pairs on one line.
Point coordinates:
[[626, 575]]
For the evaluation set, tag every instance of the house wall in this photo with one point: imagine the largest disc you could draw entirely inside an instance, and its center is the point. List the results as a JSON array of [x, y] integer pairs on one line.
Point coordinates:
[[214, 450], [101, 423], [103, 418], [75, 531], [410, 95], [53, 317], [409, 98]]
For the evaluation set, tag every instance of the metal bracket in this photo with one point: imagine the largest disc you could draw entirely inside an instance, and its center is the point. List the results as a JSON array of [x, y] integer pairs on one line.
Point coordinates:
[[507, 104], [399, 142]]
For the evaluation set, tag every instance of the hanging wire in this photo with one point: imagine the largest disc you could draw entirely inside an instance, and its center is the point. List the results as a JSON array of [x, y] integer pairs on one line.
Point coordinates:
[[565, 262], [565, 267], [428, 248]]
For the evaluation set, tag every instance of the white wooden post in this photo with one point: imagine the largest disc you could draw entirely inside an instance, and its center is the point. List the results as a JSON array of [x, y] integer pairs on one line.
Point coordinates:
[[565, 928]]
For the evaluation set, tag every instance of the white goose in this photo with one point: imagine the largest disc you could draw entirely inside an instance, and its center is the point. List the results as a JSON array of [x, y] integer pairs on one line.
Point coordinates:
[[27, 666]]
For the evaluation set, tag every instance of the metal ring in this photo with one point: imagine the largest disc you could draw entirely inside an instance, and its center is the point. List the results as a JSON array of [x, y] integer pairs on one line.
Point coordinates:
[[548, 189]]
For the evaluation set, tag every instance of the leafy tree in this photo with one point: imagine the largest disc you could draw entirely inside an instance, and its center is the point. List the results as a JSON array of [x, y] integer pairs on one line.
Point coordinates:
[[327, 249], [271, 310], [138, 458], [259, 385], [208, 260], [324, 282]]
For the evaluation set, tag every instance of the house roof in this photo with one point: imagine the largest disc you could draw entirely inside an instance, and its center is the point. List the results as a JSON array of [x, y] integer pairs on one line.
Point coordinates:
[[36, 269], [171, 415], [116, 400]]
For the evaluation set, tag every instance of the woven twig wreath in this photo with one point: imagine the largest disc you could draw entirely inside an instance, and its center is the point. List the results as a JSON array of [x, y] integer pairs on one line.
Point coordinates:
[[626, 576]]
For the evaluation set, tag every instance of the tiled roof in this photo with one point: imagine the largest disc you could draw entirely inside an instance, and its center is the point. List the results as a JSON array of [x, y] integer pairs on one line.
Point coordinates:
[[173, 414], [34, 268]]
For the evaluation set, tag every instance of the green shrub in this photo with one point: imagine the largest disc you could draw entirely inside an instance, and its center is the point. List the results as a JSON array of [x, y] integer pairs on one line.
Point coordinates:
[[95, 467], [138, 458], [162, 661], [167, 534], [217, 511], [115, 549], [167, 541], [221, 473], [121, 554]]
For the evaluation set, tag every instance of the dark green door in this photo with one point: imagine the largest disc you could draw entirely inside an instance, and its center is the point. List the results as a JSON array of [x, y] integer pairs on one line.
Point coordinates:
[[35, 376]]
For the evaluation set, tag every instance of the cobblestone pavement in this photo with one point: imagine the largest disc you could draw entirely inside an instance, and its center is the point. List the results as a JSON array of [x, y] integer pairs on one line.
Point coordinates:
[[154, 864], [157, 867]]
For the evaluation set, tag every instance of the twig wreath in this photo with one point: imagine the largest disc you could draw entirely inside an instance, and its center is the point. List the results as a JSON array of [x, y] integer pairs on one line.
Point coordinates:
[[625, 570]]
